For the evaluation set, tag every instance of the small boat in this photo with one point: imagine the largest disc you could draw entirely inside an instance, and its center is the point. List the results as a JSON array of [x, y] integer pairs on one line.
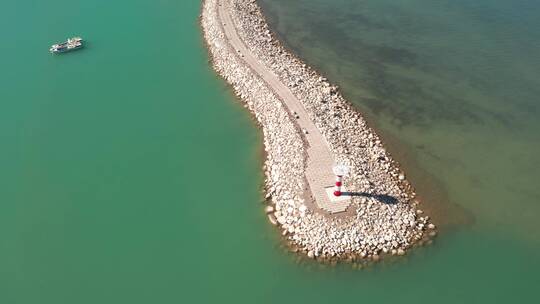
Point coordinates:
[[71, 44]]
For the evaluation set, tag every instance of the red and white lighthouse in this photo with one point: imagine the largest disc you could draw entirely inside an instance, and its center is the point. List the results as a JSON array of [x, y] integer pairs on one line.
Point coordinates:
[[337, 189], [339, 171]]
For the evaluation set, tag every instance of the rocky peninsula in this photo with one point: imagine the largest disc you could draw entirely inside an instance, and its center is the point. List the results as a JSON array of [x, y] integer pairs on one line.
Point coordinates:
[[306, 124]]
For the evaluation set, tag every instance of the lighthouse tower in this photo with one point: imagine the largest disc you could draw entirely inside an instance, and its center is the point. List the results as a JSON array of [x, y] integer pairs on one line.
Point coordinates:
[[339, 171]]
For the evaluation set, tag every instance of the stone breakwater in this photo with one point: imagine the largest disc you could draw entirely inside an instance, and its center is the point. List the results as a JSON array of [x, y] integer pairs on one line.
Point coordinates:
[[384, 219]]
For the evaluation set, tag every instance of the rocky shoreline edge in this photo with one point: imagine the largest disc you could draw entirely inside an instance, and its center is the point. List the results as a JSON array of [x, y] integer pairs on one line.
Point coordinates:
[[372, 226]]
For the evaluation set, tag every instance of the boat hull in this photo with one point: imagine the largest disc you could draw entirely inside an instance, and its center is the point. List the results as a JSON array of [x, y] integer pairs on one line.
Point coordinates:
[[71, 44], [65, 50]]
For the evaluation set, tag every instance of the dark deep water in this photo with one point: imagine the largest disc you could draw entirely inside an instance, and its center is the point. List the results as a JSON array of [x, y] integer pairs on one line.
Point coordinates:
[[100, 150]]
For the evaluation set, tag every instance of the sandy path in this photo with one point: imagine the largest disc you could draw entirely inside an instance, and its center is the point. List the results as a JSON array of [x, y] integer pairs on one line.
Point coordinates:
[[319, 156]]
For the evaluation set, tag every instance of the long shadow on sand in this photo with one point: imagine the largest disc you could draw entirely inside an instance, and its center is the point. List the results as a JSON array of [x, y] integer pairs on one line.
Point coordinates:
[[383, 198]]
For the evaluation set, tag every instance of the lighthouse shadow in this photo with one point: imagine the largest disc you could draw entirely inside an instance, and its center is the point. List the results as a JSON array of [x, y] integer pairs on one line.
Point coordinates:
[[383, 198]]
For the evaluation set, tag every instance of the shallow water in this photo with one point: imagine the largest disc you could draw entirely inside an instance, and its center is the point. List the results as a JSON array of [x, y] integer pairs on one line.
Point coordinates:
[[454, 86], [455, 83], [131, 175]]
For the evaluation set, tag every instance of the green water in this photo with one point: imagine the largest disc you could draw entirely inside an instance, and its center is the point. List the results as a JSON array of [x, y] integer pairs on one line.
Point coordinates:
[[129, 174]]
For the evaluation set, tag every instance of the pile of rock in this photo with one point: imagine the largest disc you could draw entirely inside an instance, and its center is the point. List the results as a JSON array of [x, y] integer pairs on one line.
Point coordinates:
[[377, 226]]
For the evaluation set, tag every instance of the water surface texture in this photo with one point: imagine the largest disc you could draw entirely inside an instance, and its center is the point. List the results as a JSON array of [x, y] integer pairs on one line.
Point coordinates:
[[131, 175]]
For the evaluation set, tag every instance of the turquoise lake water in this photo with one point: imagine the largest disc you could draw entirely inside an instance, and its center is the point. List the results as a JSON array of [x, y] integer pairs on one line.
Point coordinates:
[[131, 175]]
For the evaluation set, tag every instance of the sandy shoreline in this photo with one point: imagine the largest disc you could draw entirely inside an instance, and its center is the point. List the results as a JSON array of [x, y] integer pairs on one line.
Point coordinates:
[[371, 226]]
